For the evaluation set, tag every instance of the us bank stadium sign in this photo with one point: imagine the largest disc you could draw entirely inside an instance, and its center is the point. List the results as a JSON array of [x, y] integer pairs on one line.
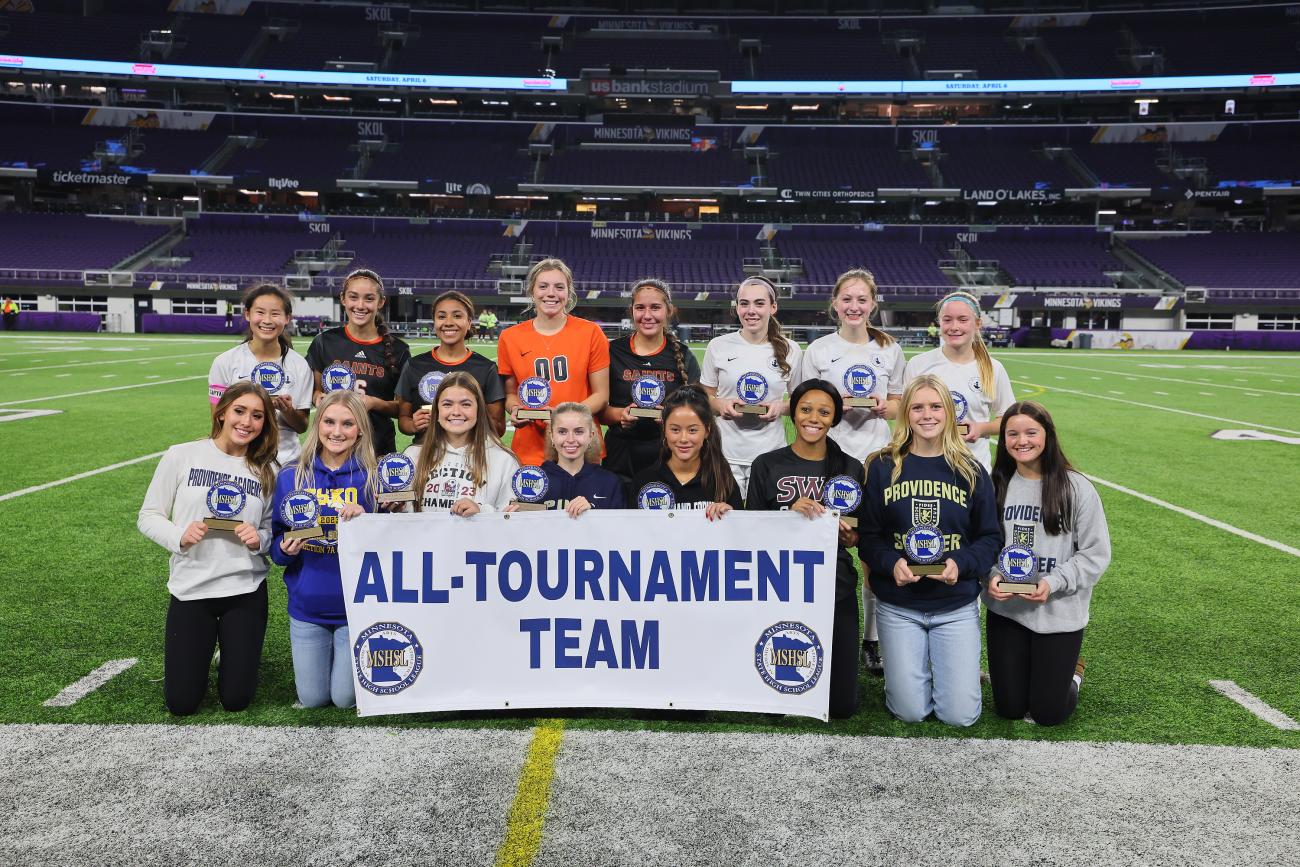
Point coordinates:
[[648, 87]]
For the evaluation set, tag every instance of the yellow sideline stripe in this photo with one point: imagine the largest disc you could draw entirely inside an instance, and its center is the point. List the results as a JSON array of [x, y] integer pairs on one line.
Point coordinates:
[[528, 813]]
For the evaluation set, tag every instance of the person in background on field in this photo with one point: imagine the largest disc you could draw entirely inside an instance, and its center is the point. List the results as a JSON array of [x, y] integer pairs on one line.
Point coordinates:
[[217, 578], [337, 467], [1047, 506], [569, 353], [9, 313], [364, 345], [267, 310], [929, 625]]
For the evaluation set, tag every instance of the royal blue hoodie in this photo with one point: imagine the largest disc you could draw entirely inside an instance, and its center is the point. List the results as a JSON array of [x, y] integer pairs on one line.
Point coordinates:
[[312, 576]]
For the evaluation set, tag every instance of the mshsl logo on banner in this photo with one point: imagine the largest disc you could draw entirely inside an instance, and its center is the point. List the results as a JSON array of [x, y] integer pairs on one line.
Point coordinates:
[[537, 609]]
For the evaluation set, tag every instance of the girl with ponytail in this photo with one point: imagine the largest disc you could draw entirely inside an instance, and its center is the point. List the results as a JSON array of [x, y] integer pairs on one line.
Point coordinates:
[[981, 389], [364, 345], [632, 444], [758, 348], [840, 356]]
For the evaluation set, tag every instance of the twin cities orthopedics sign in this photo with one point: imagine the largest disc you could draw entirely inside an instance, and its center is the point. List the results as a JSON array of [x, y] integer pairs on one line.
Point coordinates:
[[537, 609]]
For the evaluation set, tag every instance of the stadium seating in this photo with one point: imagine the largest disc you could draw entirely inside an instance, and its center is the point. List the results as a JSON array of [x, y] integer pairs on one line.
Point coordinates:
[[71, 241], [1228, 261], [1051, 258]]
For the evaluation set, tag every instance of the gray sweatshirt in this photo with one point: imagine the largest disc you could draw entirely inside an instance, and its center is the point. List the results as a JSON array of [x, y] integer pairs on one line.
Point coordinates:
[[1071, 562]]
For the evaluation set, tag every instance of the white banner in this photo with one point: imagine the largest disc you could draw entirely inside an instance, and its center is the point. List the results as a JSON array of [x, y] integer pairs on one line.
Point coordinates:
[[638, 609]]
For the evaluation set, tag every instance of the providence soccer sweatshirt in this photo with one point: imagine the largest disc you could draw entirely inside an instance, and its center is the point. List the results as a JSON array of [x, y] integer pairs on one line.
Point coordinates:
[[927, 491], [1072, 562]]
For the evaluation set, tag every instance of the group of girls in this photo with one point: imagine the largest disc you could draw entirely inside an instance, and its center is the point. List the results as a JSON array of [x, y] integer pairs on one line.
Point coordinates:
[[934, 468]]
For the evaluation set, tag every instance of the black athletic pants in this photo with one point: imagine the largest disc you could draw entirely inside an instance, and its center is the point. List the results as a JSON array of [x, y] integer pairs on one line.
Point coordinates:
[[845, 650], [194, 628], [1032, 672]]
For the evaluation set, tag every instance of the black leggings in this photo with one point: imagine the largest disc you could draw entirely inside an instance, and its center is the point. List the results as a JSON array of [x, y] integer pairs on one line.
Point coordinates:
[[844, 657], [1032, 672], [194, 628]]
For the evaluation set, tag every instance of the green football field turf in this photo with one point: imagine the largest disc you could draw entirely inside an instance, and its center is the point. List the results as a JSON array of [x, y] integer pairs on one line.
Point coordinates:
[[1189, 598]]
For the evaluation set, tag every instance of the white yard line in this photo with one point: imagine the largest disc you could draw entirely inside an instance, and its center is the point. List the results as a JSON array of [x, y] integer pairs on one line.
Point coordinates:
[[75, 692], [1197, 516], [133, 359], [1157, 378], [137, 385], [1155, 406], [20, 414], [1255, 705], [87, 474]]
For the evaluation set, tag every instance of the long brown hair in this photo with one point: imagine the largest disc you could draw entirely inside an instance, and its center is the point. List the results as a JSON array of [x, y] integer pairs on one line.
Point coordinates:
[[955, 451], [714, 469], [776, 337], [481, 437], [258, 290], [1058, 494], [661, 287], [260, 456], [876, 334], [363, 449], [988, 383]]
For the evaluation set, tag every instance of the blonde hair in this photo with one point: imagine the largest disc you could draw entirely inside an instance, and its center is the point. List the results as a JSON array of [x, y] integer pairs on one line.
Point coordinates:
[[363, 449], [988, 383], [775, 336], [881, 338], [553, 265], [955, 451], [481, 436], [592, 454]]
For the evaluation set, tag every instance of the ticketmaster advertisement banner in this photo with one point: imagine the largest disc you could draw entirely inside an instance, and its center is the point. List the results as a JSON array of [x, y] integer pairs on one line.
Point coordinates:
[[538, 610]]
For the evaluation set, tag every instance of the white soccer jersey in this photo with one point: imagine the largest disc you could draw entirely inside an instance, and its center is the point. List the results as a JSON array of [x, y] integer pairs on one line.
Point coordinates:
[[859, 433], [964, 380], [237, 364], [730, 357]]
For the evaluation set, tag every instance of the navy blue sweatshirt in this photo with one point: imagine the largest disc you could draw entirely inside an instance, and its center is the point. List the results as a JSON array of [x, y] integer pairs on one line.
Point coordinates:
[[926, 487], [312, 576], [602, 488]]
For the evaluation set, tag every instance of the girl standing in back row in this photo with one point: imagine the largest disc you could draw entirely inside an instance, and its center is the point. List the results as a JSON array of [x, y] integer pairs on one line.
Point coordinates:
[[856, 351], [760, 359], [980, 387], [364, 346], [569, 353]]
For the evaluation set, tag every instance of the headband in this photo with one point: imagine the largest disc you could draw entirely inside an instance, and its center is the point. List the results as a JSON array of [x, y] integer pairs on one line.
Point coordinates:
[[961, 296]]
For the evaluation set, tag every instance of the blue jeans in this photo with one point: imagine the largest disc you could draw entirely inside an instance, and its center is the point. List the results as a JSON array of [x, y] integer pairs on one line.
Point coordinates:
[[322, 664], [932, 662]]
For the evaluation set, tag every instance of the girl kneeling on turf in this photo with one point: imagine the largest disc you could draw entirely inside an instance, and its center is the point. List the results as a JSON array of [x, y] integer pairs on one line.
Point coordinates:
[[691, 464], [462, 467], [573, 483], [782, 479], [1049, 508], [217, 577], [337, 467], [929, 625]]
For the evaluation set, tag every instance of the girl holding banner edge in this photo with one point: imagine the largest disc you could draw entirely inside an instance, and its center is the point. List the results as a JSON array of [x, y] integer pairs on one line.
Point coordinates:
[[761, 356], [337, 467], [783, 479], [453, 320], [1053, 510], [569, 353], [653, 350], [926, 484], [462, 467], [267, 350], [977, 381], [856, 350], [217, 579], [691, 467]]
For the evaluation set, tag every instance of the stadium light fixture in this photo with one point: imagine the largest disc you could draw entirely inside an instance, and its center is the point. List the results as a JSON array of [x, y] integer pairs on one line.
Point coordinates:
[[281, 95], [1107, 213], [754, 107], [306, 193], [982, 204], [812, 106], [331, 98], [433, 101], [252, 192]]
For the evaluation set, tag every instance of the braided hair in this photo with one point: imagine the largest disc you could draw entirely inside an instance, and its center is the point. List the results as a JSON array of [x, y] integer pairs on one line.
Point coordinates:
[[662, 288]]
